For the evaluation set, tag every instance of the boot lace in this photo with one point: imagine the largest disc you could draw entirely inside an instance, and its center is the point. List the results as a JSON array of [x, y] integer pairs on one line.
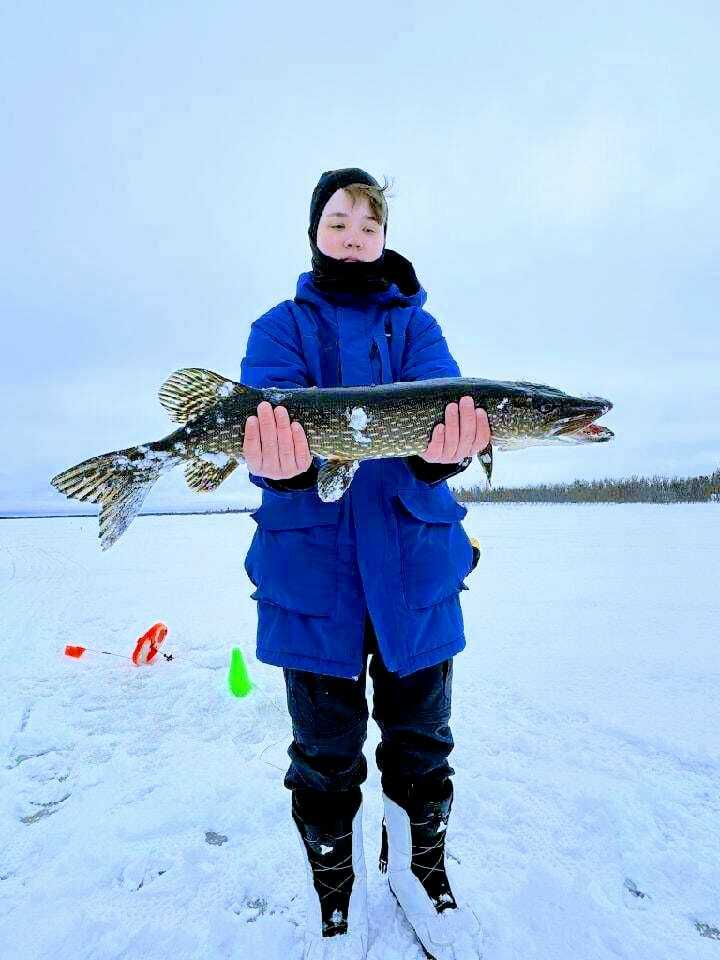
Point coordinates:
[[332, 880], [428, 859]]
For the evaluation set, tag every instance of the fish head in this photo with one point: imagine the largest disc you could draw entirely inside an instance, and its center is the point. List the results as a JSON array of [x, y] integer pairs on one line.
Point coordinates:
[[575, 420], [532, 413]]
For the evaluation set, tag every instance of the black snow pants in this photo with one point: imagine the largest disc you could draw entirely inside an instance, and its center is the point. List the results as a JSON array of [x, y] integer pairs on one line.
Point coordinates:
[[329, 719]]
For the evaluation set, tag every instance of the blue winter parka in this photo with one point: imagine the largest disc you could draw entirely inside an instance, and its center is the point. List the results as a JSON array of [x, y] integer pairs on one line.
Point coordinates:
[[393, 546]]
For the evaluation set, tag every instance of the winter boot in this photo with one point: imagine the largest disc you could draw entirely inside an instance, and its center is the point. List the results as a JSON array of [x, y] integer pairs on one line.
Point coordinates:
[[330, 832], [413, 854]]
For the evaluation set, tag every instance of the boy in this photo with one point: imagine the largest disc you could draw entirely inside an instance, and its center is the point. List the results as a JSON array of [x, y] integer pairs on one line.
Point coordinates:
[[376, 573]]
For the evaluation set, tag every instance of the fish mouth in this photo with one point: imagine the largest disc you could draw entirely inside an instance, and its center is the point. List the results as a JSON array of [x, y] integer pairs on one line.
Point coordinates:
[[580, 416], [592, 433], [579, 425]]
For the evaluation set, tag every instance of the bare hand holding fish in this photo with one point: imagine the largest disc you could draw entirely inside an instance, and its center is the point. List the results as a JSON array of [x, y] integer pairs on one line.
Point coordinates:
[[273, 447], [465, 433]]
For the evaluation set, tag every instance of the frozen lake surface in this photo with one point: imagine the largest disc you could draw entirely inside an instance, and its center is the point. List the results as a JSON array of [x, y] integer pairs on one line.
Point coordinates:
[[142, 812]]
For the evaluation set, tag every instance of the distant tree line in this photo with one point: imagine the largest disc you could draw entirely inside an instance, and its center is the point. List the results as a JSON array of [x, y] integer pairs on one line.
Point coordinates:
[[630, 490]]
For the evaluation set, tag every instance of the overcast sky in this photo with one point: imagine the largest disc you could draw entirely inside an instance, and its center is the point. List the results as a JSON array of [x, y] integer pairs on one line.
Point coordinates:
[[556, 186]]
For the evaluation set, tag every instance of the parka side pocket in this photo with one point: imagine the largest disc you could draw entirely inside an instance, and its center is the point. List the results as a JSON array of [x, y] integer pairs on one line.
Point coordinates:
[[435, 552], [293, 558]]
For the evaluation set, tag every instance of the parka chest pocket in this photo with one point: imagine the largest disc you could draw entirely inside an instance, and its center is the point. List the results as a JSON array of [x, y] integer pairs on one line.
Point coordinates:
[[293, 556], [435, 552]]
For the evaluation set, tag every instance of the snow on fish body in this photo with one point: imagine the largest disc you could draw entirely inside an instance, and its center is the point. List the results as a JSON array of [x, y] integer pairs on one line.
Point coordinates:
[[344, 425]]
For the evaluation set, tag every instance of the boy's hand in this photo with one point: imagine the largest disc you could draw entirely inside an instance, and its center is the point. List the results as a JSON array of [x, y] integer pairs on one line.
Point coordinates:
[[465, 432], [272, 446]]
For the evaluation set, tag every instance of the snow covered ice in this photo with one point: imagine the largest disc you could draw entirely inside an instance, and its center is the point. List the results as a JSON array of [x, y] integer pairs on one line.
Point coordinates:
[[142, 812]]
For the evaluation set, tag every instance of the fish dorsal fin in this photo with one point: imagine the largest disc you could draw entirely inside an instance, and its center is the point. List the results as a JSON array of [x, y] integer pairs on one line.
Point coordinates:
[[206, 475], [190, 391], [334, 477]]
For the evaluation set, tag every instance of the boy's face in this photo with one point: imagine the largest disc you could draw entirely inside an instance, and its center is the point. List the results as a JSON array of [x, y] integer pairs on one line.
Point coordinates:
[[349, 231]]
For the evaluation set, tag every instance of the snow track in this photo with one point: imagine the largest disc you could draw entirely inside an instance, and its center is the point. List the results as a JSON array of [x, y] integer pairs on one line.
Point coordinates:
[[142, 812]]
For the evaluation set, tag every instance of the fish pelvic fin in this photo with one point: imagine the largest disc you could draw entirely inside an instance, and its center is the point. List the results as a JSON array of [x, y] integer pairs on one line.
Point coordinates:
[[192, 390], [118, 481], [486, 459], [334, 477], [204, 476]]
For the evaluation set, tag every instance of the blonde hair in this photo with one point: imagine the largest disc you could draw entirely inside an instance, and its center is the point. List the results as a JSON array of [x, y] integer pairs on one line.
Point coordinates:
[[375, 197]]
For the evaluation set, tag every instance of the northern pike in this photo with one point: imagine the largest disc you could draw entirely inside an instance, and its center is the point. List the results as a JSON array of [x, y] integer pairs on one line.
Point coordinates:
[[344, 425]]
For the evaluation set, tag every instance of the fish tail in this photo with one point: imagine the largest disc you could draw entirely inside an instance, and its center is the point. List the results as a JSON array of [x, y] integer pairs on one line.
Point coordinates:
[[118, 481]]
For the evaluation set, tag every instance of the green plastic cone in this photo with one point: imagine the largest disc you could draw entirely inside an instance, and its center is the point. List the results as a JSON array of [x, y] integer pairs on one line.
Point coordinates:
[[238, 679]]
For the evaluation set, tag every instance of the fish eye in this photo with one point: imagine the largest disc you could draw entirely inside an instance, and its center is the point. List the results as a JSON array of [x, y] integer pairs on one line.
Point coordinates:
[[545, 407]]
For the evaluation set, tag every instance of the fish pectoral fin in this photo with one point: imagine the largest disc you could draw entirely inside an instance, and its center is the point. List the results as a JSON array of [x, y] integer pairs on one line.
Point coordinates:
[[204, 476], [334, 477], [190, 391], [486, 459]]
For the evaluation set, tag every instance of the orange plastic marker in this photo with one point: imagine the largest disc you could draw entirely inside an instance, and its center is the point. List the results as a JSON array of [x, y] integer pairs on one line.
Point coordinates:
[[149, 643]]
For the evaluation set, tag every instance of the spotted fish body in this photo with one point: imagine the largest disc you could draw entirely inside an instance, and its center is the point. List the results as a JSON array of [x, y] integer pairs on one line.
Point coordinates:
[[343, 425], [397, 419]]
